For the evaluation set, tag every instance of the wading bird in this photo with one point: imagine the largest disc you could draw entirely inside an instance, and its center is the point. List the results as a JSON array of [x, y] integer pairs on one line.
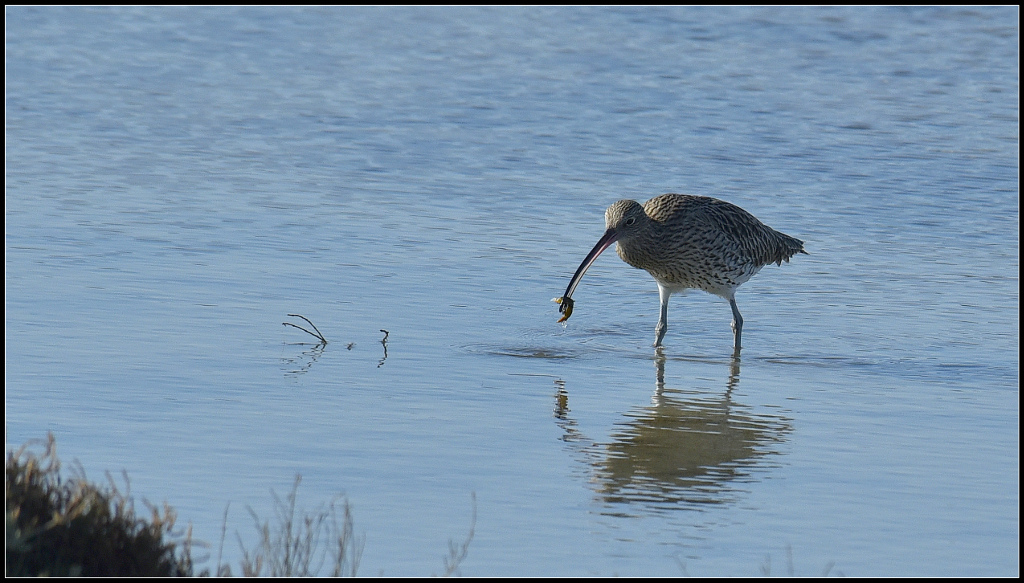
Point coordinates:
[[688, 242]]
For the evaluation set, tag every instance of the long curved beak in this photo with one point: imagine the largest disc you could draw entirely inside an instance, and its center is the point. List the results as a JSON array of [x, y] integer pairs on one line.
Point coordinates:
[[609, 237]]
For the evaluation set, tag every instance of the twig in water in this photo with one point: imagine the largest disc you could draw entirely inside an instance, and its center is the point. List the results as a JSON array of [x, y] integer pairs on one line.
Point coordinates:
[[317, 334], [384, 341]]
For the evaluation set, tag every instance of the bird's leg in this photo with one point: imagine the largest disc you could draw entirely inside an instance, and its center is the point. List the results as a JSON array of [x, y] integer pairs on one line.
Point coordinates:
[[737, 324], [662, 326]]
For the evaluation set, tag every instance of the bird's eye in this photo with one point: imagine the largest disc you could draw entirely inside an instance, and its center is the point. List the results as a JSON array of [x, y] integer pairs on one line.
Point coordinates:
[[630, 221]]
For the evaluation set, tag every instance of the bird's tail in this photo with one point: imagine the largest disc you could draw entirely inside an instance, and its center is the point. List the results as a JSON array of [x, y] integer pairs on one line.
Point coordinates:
[[786, 247]]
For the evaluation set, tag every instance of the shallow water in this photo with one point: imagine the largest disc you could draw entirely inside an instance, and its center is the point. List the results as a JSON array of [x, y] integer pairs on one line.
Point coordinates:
[[180, 180]]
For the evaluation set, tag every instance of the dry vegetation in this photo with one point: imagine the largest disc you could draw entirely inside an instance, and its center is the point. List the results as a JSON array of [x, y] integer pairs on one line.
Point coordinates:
[[75, 528], [58, 527]]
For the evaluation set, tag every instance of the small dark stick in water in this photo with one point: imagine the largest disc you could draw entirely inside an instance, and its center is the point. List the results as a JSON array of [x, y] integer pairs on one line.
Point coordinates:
[[317, 334]]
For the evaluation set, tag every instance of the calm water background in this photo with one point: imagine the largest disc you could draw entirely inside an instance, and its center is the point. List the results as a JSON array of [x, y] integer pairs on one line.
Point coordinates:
[[179, 180]]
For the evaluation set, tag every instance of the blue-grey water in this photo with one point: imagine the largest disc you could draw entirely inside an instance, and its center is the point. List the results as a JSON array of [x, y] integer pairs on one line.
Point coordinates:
[[179, 180]]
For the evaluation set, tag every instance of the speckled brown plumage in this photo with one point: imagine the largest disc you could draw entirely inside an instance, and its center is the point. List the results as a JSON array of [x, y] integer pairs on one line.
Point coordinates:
[[686, 242]]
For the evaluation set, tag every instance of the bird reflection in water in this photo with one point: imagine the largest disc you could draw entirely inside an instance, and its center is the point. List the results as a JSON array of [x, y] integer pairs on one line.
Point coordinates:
[[688, 448]]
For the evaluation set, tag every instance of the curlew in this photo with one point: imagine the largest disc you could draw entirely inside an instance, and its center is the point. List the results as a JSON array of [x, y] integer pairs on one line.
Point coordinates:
[[688, 242]]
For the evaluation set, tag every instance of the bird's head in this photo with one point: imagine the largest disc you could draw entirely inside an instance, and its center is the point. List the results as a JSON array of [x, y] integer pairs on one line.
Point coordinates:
[[624, 218]]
